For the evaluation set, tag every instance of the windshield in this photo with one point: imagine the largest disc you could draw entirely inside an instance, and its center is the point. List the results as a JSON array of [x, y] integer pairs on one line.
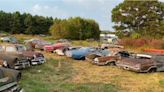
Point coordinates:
[[21, 48], [159, 58]]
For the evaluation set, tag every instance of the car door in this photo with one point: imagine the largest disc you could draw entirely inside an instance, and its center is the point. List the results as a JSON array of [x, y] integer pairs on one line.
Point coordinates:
[[160, 63]]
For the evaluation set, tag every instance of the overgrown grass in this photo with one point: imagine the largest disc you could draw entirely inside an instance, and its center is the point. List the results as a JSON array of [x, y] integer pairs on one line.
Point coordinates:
[[55, 76], [161, 83]]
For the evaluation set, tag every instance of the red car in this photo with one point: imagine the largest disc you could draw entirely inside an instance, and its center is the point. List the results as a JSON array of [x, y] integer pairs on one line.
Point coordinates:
[[51, 48]]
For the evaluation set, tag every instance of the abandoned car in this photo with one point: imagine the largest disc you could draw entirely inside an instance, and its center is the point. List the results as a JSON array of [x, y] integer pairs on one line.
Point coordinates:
[[9, 79], [111, 58], [9, 39], [51, 48], [81, 53], [106, 60], [98, 53], [142, 63], [70, 49], [36, 44], [63, 50], [40, 45], [13, 58], [18, 57]]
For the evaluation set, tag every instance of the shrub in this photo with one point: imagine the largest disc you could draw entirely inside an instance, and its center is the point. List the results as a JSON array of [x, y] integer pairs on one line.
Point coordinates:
[[147, 42]]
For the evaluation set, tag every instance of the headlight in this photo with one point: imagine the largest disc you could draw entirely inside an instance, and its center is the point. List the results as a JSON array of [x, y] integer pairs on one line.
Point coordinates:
[[34, 56], [5, 63], [96, 60]]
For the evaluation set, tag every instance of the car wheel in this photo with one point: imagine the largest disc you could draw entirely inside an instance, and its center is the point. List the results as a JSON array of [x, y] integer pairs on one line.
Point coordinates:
[[19, 76], [112, 63], [82, 58], [152, 70]]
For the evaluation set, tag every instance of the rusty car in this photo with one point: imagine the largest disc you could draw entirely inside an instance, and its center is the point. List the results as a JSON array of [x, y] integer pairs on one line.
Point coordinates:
[[142, 63], [13, 58], [110, 59], [53, 47], [9, 79], [100, 52], [36, 44], [16, 56]]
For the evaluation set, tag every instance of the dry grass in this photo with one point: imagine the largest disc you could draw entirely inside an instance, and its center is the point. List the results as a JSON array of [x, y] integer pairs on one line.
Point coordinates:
[[127, 81], [84, 77]]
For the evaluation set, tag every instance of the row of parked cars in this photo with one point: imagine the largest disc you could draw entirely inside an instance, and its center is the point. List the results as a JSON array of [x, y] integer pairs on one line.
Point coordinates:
[[17, 56], [13, 58], [107, 55]]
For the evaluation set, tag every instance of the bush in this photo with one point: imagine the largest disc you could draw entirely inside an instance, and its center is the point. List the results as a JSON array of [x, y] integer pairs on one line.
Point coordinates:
[[143, 42]]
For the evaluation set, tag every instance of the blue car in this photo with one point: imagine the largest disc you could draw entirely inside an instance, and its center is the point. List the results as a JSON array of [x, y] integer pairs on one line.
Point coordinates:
[[79, 54]]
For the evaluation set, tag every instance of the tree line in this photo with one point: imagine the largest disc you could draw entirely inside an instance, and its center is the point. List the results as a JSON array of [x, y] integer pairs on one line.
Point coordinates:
[[71, 28], [139, 18], [25, 23], [75, 28]]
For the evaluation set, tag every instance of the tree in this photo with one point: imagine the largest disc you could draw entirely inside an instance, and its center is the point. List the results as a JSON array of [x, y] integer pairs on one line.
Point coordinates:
[[75, 28], [15, 23], [24, 23], [143, 17]]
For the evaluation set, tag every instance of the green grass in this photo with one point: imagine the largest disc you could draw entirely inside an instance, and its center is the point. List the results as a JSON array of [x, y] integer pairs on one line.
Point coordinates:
[[55, 76], [161, 82]]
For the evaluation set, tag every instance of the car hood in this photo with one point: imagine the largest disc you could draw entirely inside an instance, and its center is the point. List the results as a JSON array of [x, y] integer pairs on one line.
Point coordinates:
[[135, 61]]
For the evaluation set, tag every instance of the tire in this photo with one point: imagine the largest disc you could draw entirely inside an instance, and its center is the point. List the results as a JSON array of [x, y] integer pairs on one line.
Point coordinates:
[[152, 70], [82, 58], [112, 63], [19, 77]]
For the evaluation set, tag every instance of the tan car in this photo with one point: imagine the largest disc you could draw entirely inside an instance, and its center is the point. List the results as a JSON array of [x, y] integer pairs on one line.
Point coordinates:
[[11, 58], [142, 63], [17, 56]]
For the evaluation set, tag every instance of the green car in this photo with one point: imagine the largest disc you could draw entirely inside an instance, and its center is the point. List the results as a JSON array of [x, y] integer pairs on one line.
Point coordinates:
[[9, 79]]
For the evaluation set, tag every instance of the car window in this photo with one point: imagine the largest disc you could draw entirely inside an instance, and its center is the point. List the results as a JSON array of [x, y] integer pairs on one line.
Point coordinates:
[[159, 58], [10, 49], [21, 48]]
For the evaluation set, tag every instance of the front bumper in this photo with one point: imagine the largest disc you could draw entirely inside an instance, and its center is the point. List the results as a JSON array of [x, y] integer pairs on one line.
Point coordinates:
[[21, 65], [38, 60], [11, 87]]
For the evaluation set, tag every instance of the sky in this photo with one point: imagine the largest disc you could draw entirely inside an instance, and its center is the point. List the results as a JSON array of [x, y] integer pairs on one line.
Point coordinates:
[[99, 10]]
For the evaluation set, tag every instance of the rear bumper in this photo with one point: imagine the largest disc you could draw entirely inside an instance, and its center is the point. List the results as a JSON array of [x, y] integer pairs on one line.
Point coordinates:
[[22, 65], [38, 60]]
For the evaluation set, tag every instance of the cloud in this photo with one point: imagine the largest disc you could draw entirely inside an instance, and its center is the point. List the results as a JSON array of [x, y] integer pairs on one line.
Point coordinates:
[[46, 10]]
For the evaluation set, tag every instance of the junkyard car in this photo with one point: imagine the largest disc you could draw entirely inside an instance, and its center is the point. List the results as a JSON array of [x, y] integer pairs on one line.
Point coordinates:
[[34, 57], [51, 48], [81, 53], [18, 57], [9, 39], [14, 59], [36, 44], [142, 63], [69, 51], [111, 58], [40, 45], [9, 80], [98, 53], [63, 50]]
